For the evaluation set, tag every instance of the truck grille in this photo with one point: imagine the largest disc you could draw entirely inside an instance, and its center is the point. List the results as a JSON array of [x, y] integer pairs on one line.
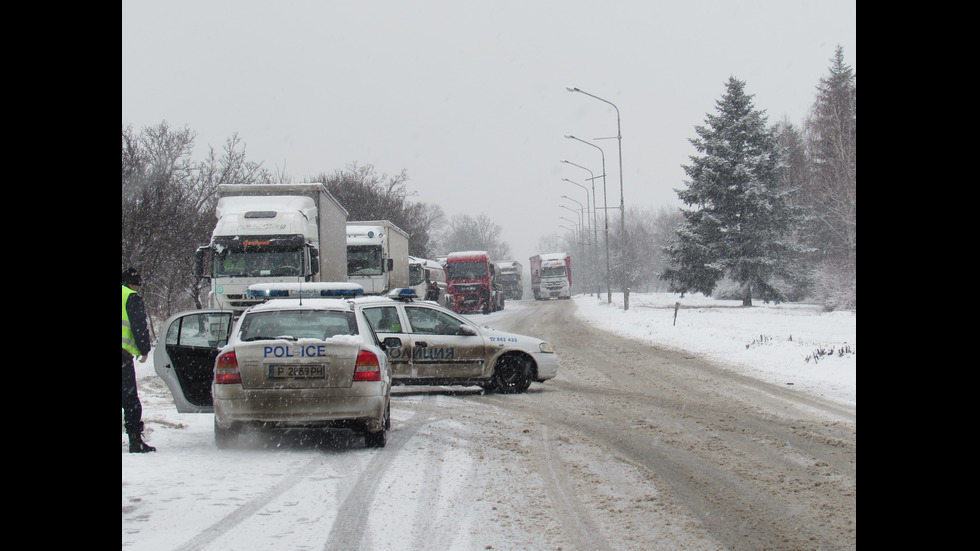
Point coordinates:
[[466, 289], [239, 303]]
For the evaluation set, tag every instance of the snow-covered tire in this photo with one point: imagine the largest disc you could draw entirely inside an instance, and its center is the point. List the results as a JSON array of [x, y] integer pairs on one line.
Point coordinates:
[[380, 438], [376, 439]]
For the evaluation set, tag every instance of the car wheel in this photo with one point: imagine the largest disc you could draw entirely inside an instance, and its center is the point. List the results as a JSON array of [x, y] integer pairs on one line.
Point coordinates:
[[376, 439], [226, 438], [512, 374], [380, 438]]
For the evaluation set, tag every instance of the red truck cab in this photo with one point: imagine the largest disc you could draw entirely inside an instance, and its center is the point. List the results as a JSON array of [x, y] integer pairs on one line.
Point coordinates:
[[473, 283]]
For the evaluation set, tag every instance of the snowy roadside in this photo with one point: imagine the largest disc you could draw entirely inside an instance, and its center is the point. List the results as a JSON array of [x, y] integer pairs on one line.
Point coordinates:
[[788, 344], [191, 495]]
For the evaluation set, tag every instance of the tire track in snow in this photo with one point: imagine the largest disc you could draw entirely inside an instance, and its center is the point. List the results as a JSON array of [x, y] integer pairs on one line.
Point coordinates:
[[349, 523], [233, 519], [348, 529], [433, 520], [577, 525]]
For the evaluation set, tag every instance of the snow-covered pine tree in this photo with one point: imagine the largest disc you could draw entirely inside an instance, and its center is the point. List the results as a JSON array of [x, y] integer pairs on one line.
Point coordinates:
[[739, 222]]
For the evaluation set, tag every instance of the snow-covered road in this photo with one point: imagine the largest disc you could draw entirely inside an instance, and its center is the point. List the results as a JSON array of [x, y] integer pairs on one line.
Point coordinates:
[[628, 448]]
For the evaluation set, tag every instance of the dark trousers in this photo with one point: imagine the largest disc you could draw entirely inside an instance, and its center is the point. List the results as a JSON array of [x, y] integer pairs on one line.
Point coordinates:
[[132, 409]]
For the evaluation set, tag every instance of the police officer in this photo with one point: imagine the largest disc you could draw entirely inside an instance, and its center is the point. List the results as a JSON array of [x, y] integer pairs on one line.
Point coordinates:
[[432, 291], [135, 342]]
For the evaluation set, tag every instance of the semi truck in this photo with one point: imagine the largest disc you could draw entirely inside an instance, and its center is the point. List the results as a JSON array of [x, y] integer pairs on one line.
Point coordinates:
[[428, 279], [377, 256], [512, 279], [474, 282], [269, 233], [551, 276]]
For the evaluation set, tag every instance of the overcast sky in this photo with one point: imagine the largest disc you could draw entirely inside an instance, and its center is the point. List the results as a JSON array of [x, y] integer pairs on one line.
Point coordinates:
[[469, 97]]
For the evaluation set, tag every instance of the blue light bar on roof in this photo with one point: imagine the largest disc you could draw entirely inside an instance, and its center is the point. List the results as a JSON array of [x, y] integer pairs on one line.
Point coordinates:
[[402, 294], [341, 292], [267, 293]]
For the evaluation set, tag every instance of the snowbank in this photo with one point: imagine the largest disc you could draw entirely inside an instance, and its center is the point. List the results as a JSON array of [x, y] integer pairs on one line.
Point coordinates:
[[787, 344]]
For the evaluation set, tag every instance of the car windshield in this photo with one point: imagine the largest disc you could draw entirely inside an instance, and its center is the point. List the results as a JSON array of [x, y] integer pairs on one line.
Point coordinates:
[[298, 324]]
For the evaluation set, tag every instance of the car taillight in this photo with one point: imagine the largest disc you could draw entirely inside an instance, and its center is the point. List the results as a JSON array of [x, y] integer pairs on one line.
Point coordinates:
[[367, 367], [226, 369]]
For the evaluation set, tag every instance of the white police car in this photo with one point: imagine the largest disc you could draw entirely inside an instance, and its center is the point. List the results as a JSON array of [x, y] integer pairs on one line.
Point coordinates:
[[431, 345], [290, 362]]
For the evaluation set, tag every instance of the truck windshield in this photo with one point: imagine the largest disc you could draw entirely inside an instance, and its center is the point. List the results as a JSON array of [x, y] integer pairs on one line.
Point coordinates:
[[467, 270], [364, 260], [258, 263], [556, 271], [416, 276]]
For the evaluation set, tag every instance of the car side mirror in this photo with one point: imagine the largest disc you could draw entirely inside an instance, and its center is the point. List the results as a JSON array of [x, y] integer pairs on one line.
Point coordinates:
[[466, 330], [204, 262], [314, 261]]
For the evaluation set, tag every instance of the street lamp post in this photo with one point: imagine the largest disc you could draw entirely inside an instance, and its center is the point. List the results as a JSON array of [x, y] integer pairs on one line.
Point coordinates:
[[584, 222], [595, 206], [622, 204], [578, 213], [576, 231], [588, 259], [581, 239], [605, 213], [586, 206]]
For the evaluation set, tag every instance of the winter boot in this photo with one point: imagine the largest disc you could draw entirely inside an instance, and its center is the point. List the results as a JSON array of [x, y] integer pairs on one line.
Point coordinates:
[[137, 445]]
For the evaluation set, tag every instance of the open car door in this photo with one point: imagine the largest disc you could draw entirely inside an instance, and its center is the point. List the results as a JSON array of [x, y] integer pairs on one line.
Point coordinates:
[[185, 358]]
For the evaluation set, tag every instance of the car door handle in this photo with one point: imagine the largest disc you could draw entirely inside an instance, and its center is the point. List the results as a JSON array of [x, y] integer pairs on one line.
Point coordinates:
[[421, 344]]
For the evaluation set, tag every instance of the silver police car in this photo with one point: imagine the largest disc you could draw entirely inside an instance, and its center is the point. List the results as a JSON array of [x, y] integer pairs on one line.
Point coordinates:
[[312, 362], [431, 345]]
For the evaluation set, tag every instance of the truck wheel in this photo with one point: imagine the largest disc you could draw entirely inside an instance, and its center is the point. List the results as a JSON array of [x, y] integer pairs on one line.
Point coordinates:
[[512, 374]]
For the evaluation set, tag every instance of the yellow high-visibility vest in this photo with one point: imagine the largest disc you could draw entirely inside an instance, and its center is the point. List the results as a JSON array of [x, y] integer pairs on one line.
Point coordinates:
[[128, 340]]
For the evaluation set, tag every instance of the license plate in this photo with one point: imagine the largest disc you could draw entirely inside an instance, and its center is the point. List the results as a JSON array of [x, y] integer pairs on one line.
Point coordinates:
[[297, 371]]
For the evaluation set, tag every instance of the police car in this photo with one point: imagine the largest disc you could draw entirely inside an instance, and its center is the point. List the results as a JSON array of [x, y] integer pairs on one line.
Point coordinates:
[[289, 362], [431, 345]]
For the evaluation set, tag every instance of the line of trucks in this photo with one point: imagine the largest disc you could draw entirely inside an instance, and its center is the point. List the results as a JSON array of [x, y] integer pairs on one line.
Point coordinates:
[[275, 233]]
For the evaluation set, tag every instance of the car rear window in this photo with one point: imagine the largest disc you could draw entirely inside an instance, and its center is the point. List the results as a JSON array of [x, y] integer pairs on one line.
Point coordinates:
[[298, 324]]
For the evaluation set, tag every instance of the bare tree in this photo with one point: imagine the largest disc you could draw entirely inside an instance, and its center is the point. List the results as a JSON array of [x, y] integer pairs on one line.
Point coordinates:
[[466, 233], [157, 176], [368, 195], [831, 189], [168, 209], [552, 243]]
